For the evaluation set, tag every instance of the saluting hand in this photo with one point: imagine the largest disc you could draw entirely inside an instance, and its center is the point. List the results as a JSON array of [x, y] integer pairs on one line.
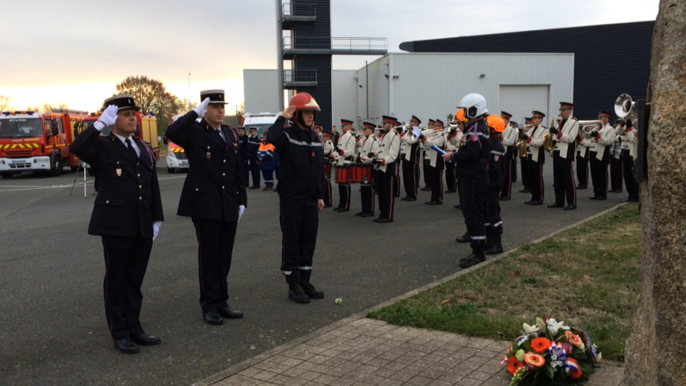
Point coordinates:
[[201, 109], [288, 112], [109, 116]]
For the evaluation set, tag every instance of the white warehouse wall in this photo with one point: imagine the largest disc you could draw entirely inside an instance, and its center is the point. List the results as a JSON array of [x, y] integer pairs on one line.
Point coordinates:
[[260, 91]]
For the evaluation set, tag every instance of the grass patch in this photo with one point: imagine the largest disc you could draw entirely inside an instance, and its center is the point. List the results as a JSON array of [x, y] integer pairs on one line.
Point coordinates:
[[587, 276]]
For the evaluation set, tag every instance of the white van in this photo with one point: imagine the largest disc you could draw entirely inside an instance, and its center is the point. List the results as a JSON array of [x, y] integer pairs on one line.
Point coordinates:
[[261, 122]]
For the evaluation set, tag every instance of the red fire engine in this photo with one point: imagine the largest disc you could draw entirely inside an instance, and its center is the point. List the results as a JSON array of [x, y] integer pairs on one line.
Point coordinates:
[[37, 142]]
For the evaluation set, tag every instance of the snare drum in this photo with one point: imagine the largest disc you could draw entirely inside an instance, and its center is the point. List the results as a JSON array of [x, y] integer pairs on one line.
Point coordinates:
[[342, 174]]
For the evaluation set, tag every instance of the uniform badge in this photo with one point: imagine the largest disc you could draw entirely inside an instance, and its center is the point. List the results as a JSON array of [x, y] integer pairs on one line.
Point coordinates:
[[208, 154]]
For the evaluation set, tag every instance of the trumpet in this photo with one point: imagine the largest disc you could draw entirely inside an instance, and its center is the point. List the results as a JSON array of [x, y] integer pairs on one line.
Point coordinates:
[[588, 126]]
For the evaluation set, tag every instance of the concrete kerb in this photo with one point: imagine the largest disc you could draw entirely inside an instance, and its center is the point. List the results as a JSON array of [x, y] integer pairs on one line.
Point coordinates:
[[362, 314]]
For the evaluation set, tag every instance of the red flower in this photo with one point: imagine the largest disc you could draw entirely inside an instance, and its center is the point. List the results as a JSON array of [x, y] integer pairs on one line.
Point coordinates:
[[513, 365], [540, 345]]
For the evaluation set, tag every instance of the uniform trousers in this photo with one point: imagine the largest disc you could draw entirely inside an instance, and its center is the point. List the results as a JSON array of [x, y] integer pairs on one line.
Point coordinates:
[[435, 176], [563, 179], [425, 165], [494, 222], [299, 225], [515, 156], [450, 180], [367, 196], [385, 186], [396, 181], [472, 193], [268, 175], [344, 196], [255, 172], [410, 177], [508, 176], [215, 249], [526, 175], [328, 194], [126, 260], [629, 177], [599, 174], [535, 179], [616, 174], [582, 170]]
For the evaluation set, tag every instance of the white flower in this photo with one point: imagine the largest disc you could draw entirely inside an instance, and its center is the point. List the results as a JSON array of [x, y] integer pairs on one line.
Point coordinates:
[[530, 330], [554, 326]]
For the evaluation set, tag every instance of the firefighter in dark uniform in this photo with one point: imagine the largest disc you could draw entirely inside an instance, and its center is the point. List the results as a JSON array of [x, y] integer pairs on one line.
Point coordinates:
[[301, 193], [496, 174], [471, 161], [213, 196], [243, 150], [127, 215]]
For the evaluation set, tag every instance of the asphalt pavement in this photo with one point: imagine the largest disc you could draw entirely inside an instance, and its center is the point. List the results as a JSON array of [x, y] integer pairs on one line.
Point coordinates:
[[51, 302]]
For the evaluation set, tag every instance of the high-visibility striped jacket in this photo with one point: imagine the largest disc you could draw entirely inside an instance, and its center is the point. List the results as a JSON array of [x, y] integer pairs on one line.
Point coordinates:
[[265, 155]]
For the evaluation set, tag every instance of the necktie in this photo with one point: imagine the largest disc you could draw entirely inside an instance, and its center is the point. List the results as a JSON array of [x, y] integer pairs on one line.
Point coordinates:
[[221, 134], [130, 148]]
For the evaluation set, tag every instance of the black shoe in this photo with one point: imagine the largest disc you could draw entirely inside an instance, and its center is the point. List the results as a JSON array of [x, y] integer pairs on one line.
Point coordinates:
[[411, 199], [297, 294], [458, 206], [425, 189], [146, 340], [383, 221], [525, 190], [471, 261], [368, 214], [555, 205], [312, 292], [404, 198], [465, 238], [432, 203], [359, 213], [343, 210], [528, 202], [504, 198], [616, 191], [593, 198], [336, 209], [451, 191], [582, 187], [228, 313], [213, 318], [534, 203], [254, 187], [126, 346], [496, 248], [570, 207], [328, 206]]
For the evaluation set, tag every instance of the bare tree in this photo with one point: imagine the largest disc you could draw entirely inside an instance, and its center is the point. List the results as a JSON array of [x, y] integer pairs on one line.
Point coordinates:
[[151, 96]]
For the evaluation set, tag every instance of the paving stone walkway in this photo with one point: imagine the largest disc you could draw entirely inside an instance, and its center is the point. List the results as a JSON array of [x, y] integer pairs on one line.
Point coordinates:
[[359, 351]]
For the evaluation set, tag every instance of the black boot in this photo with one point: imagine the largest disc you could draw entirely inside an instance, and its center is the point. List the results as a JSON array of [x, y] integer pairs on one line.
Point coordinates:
[[312, 292], [475, 258], [496, 247], [465, 238], [489, 237], [297, 294]]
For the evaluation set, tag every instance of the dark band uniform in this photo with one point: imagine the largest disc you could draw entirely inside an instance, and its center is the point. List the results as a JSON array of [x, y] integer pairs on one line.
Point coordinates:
[[127, 205], [496, 175], [301, 185], [213, 191]]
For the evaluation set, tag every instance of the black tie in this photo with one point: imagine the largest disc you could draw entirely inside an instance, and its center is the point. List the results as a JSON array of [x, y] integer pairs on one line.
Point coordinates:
[[132, 151]]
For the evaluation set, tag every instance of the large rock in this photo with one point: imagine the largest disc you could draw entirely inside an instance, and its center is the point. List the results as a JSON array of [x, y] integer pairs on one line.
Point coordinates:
[[656, 350]]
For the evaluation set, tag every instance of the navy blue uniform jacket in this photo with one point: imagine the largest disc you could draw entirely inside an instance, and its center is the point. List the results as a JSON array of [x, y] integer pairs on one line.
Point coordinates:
[[215, 185]]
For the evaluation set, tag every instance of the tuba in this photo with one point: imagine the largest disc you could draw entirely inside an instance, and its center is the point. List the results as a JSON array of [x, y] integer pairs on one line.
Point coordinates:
[[588, 126]]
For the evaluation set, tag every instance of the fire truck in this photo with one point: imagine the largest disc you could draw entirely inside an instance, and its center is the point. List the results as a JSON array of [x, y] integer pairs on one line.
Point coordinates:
[[146, 129], [35, 142], [176, 156]]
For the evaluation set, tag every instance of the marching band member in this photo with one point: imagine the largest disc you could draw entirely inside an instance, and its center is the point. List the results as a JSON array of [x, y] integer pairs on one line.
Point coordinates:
[[496, 162], [536, 157], [600, 156], [398, 166], [424, 161], [369, 150], [509, 142], [524, 160], [435, 162], [515, 126], [565, 136], [616, 173], [451, 141], [388, 153], [410, 161], [455, 143], [345, 155], [582, 154], [628, 159], [327, 140], [471, 159]]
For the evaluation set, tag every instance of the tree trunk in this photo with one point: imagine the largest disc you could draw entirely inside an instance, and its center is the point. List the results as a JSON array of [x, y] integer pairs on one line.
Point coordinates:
[[656, 350]]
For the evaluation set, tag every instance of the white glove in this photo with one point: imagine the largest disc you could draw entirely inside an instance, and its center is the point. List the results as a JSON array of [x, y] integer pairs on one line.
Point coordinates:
[[241, 210], [156, 229], [417, 133], [201, 109], [108, 118]]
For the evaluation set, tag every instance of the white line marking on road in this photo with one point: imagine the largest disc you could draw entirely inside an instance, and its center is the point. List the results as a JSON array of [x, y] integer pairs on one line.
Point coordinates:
[[23, 188]]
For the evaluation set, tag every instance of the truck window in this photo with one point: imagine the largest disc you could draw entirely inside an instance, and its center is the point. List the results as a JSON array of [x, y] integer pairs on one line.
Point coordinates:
[[21, 128]]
